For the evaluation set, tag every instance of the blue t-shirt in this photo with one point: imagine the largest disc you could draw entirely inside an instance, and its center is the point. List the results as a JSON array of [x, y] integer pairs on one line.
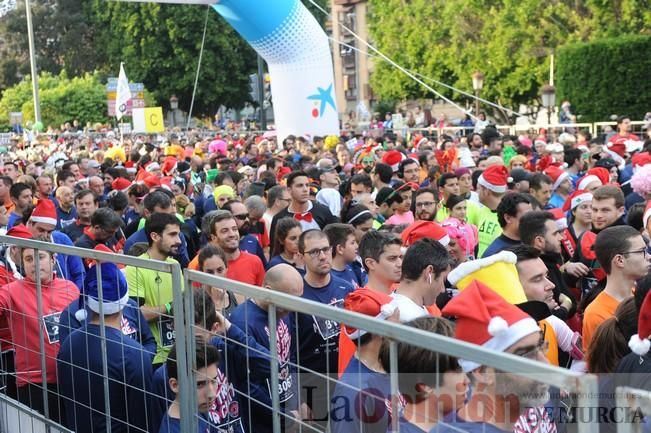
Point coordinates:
[[173, 425], [254, 321], [226, 411], [318, 338], [361, 401], [501, 243], [81, 380], [13, 219], [250, 244], [556, 201], [134, 324], [69, 267], [349, 275], [278, 260], [65, 218]]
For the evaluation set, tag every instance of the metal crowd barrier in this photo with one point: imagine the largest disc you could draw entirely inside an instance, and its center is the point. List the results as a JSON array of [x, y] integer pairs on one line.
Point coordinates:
[[583, 387], [634, 404]]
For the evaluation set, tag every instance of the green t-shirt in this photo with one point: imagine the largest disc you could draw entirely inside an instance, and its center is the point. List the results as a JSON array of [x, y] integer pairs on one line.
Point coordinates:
[[472, 209], [488, 228], [156, 289]]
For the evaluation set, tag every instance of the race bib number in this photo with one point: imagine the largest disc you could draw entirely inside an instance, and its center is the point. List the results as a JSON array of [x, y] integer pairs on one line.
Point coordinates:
[[285, 384], [327, 328], [167, 332], [51, 325], [127, 329]]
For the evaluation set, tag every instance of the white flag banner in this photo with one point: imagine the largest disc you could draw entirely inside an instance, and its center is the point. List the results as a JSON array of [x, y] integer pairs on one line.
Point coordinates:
[[6, 6], [123, 94]]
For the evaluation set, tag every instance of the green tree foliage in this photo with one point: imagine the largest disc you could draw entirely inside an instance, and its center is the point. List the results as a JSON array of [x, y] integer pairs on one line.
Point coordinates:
[[509, 41], [160, 45], [606, 77], [62, 99]]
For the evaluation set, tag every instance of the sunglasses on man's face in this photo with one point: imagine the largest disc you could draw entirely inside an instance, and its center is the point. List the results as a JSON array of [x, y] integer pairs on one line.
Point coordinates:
[[241, 217]]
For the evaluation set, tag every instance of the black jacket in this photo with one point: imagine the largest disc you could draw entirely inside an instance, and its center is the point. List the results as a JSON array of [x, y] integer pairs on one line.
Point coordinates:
[[553, 263], [320, 213]]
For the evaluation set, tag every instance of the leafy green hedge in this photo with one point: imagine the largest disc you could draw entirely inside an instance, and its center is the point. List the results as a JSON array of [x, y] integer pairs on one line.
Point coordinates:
[[63, 99], [605, 77]]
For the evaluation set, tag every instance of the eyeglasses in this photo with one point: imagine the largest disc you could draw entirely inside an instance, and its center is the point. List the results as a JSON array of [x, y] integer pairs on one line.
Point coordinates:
[[541, 348], [318, 251], [425, 204], [643, 251], [241, 217]]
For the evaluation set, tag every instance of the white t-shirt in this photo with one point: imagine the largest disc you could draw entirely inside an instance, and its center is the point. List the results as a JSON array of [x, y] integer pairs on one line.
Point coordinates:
[[409, 310]]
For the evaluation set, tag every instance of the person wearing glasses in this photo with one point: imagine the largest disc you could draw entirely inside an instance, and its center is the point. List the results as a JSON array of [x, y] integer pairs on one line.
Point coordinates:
[[248, 241], [500, 401], [621, 251], [425, 204], [318, 338]]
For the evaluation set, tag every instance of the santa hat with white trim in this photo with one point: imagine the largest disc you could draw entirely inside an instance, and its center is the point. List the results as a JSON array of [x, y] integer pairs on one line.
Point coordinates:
[[371, 303], [495, 178], [560, 217], [45, 212], [639, 343], [557, 174], [576, 198], [594, 174], [393, 158], [484, 318], [115, 291], [617, 151], [424, 229]]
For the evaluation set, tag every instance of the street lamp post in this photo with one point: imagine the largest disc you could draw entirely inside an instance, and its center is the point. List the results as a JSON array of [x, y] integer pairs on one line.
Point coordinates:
[[174, 105], [548, 94], [477, 85]]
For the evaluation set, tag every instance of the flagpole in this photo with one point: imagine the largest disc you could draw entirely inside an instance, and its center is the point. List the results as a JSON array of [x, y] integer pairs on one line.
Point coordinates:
[[32, 60]]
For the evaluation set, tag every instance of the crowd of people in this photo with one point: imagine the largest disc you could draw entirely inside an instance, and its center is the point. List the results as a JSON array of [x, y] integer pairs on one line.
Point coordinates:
[[537, 247]]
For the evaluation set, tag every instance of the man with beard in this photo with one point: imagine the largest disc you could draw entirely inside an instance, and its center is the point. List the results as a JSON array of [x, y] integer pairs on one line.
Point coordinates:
[[153, 290], [607, 211], [425, 204], [319, 337], [248, 242], [242, 266], [499, 398], [409, 170], [538, 229]]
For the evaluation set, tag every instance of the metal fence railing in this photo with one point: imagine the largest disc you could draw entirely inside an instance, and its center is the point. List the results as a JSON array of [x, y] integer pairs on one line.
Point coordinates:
[[635, 407], [251, 378]]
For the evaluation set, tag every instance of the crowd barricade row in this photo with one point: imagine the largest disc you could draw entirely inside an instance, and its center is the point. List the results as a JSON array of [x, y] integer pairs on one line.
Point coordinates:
[[582, 389]]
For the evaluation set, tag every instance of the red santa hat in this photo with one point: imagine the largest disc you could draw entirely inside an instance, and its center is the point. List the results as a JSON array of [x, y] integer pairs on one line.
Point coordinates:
[[576, 198], [641, 159], [120, 184], [151, 181], [370, 303], [560, 217], [424, 229], [557, 174], [495, 178], [617, 150], [166, 182], [486, 319], [393, 158], [45, 212], [169, 165], [639, 343], [20, 231], [594, 174]]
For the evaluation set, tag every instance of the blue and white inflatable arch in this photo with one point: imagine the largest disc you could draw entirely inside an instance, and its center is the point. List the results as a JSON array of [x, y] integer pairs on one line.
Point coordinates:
[[298, 56]]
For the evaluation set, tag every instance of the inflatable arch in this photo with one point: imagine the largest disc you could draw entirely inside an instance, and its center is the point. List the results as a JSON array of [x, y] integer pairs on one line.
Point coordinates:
[[286, 35]]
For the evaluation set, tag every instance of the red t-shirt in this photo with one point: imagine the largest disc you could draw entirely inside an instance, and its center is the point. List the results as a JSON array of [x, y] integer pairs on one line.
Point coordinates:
[[18, 305], [6, 277], [247, 268]]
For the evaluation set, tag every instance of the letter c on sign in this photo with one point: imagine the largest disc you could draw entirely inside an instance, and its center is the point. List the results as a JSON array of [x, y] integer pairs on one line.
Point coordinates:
[[153, 119]]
